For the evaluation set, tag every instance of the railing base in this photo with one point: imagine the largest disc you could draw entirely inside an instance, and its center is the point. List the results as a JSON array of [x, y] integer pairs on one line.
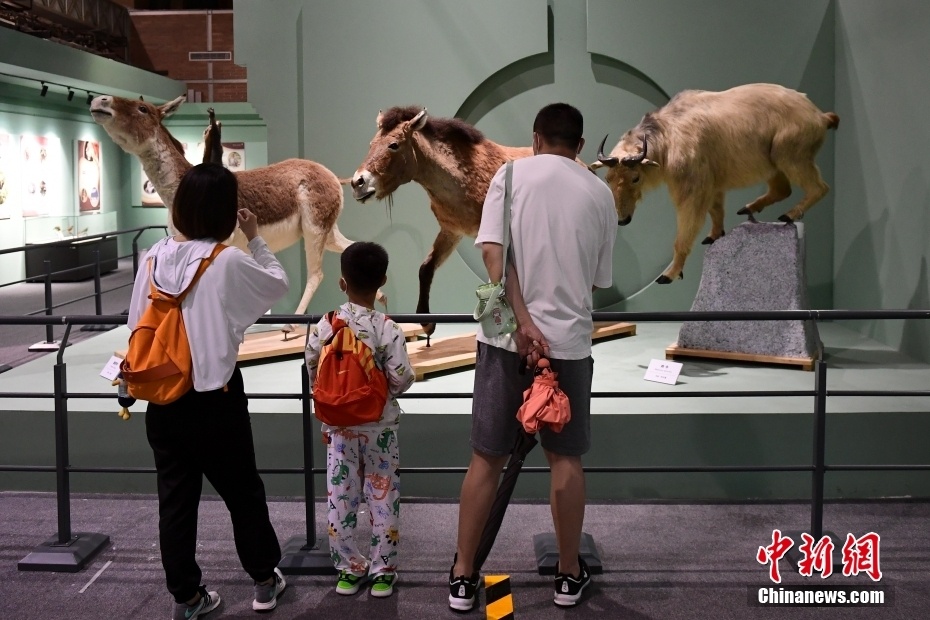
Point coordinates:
[[299, 559], [54, 345], [5, 367], [547, 553], [794, 555], [71, 557]]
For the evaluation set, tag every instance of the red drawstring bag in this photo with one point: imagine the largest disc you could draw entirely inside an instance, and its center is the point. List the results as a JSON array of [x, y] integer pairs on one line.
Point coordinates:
[[544, 402]]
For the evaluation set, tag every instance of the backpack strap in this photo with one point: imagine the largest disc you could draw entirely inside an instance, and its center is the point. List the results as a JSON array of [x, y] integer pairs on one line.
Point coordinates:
[[204, 263]]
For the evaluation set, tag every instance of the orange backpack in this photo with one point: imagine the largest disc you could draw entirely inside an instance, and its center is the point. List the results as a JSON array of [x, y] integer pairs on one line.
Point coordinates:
[[349, 389], [158, 365]]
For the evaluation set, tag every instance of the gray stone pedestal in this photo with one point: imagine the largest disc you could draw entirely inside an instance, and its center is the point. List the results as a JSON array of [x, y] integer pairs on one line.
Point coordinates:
[[756, 266]]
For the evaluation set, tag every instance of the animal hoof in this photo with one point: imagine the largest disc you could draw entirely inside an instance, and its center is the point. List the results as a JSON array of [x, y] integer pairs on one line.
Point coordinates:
[[708, 241], [785, 218], [663, 279], [744, 211]]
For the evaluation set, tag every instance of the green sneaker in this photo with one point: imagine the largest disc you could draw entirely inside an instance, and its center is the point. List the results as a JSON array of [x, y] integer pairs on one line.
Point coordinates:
[[348, 583], [383, 585]]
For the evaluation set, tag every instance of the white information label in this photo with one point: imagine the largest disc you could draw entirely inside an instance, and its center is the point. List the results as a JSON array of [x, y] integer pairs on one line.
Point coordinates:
[[111, 370], [663, 371]]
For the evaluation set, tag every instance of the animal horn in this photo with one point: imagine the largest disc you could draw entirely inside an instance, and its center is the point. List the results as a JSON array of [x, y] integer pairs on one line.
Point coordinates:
[[632, 160], [607, 161]]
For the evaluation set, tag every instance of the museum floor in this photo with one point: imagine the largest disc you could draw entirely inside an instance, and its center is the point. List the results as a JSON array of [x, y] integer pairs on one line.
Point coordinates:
[[661, 561]]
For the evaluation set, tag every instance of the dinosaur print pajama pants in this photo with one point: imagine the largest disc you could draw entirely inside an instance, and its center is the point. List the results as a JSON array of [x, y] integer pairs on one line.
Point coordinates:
[[362, 465]]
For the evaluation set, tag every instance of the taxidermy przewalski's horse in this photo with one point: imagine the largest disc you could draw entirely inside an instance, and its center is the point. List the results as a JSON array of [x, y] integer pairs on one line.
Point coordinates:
[[213, 140], [453, 162], [292, 200], [703, 143]]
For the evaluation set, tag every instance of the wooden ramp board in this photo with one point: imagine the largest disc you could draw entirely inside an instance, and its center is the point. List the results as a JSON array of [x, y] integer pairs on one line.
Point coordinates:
[[459, 351], [674, 352], [275, 343]]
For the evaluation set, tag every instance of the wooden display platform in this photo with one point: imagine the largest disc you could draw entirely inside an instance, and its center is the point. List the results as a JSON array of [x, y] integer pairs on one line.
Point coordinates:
[[459, 351], [674, 352]]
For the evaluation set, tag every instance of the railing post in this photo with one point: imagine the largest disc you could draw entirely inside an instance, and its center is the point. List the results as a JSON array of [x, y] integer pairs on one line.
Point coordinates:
[[64, 552], [820, 442], [49, 337], [818, 472], [305, 555], [49, 344], [98, 298]]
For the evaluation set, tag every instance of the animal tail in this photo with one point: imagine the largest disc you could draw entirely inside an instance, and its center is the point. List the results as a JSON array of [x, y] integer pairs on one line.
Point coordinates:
[[833, 121]]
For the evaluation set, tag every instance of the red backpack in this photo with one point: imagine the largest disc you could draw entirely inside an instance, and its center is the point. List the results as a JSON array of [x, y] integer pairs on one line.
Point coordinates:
[[158, 365], [349, 389]]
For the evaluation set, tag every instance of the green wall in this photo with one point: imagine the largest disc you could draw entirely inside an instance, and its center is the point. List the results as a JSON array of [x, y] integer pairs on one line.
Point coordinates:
[[883, 165], [326, 68]]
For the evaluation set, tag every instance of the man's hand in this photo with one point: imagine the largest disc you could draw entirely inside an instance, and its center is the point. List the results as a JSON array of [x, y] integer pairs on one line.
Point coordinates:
[[531, 344], [248, 223]]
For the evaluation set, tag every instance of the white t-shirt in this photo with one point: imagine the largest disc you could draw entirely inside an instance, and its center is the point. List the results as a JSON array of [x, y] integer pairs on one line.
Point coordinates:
[[563, 228]]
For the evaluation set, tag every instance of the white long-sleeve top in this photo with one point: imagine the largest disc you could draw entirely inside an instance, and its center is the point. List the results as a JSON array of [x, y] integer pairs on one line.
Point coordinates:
[[230, 296], [388, 344]]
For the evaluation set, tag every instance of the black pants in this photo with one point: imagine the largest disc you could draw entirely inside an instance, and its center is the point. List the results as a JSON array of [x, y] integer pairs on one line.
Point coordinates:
[[208, 434]]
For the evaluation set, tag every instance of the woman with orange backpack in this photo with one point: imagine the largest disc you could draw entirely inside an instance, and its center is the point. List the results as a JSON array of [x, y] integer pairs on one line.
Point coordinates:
[[207, 430]]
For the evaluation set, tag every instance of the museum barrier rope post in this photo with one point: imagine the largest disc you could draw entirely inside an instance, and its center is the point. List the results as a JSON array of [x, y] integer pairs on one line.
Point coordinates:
[[70, 552]]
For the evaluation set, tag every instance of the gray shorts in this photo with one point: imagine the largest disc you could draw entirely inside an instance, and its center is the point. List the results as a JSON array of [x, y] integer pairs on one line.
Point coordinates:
[[499, 393]]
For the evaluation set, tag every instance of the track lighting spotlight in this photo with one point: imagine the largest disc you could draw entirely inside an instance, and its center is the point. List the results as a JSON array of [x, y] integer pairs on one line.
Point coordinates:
[[70, 94], [44, 90], [90, 98]]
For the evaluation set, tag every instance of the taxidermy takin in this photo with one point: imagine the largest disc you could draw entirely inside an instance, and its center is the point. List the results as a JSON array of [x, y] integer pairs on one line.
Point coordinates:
[[292, 200], [703, 143], [451, 159]]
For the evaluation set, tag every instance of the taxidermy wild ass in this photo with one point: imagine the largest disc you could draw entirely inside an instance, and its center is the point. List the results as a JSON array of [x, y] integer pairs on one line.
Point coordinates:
[[453, 162], [292, 200], [703, 143], [213, 140]]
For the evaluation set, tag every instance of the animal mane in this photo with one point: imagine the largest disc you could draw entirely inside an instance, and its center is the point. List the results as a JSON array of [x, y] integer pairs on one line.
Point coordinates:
[[452, 130], [177, 144]]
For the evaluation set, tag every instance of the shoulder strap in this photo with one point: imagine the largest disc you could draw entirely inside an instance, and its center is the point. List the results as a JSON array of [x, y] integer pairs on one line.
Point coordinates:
[[508, 199], [204, 263]]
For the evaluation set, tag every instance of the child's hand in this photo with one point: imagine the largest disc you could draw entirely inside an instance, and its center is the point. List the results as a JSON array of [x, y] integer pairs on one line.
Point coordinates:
[[248, 223]]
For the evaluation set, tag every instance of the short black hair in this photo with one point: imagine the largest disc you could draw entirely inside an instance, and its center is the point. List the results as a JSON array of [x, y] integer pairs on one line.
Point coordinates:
[[206, 203], [560, 125], [364, 265]]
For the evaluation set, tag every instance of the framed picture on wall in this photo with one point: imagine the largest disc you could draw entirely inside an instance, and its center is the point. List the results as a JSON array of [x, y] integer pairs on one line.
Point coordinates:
[[40, 174], [234, 155], [89, 171], [7, 175]]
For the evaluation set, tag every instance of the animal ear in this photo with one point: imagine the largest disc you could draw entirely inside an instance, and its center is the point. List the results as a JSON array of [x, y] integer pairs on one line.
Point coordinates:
[[418, 122], [172, 106], [378, 120], [649, 162], [595, 166]]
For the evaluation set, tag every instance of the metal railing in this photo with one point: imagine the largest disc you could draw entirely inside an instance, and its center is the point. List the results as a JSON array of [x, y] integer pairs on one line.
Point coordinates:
[[48, 273], [819, 394]]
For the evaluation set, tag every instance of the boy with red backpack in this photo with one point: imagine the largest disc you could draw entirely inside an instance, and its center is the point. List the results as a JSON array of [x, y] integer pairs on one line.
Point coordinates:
[[357, 360]]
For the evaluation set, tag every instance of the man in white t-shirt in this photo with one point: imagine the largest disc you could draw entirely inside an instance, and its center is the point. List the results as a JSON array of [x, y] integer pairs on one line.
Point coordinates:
[[563, 227]]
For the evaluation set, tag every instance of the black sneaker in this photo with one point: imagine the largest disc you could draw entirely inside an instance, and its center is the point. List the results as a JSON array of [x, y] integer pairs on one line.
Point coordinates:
[[463, 591], [567, 588]]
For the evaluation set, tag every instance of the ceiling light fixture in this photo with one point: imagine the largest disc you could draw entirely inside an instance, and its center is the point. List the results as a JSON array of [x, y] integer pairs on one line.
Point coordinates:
[[44, 90], [70, 94], [90, 98]]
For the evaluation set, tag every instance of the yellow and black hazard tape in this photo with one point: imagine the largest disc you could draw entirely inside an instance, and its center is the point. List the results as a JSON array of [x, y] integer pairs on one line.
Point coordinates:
[[498, 597]]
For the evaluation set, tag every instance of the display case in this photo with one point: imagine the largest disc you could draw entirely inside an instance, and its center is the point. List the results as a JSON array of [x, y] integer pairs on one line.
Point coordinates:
[[65, 241]]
